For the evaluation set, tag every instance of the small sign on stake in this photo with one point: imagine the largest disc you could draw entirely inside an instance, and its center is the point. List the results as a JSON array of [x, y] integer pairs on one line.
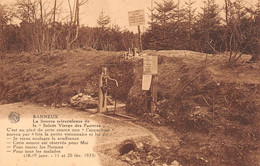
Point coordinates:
[[137, 18], [146, 82]]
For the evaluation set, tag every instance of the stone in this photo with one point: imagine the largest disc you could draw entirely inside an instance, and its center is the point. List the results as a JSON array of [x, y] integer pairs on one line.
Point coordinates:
[[175, 163], [127, 159], [149, 158], [80, 94], [64, 105], [84, 101]]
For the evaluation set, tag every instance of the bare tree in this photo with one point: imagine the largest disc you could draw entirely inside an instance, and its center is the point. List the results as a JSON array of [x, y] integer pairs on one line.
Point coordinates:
[[256, 15], [74, 22], [54, 26], [3, 23], [35, 17], [27, 13], [226, 20], [239, 30], [42, 27], [5, 17]]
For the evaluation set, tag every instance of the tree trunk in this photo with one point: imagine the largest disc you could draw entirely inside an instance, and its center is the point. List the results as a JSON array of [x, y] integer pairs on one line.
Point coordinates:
[[69, 43], [54, 28], [256, 56]]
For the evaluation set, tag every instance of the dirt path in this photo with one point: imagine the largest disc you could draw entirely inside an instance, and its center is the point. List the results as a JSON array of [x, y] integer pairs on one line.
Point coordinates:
[[106, 146]]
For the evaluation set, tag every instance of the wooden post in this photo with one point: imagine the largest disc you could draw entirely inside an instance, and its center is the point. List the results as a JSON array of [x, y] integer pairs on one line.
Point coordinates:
[[102, 105], [100, 94], [154, 88], [105, 91], [133, 51], [148, 100], [140, 38], [150, 68]]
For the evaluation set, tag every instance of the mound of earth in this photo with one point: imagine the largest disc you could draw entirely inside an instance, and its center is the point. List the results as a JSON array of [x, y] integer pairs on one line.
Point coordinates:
[[34, 77], [216, 117]]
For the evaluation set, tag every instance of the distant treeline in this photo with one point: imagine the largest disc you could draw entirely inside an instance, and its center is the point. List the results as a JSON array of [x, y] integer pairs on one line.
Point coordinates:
[[18, 38], [233, 28], [39, 29]]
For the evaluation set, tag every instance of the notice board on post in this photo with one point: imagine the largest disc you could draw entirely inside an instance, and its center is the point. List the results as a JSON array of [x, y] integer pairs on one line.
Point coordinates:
[[150, 65], [136, 17], [150, 68]]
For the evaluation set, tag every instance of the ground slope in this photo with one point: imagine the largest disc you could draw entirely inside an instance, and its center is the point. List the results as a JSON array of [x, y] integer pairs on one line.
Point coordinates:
[[213, 108], [35, 77]]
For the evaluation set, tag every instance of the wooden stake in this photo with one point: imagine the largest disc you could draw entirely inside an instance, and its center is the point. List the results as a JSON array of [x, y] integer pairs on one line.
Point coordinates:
[[102, 105], [100, 94], [140, 39], [154, 89]]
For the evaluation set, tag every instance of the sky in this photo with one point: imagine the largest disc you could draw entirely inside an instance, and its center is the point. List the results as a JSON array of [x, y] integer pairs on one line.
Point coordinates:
[[116, 9]]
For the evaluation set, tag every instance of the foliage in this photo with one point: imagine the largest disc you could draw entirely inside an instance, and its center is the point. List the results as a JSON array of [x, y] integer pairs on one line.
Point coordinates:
[[103, 20], [206, 31], [5, 18], [172, 26]]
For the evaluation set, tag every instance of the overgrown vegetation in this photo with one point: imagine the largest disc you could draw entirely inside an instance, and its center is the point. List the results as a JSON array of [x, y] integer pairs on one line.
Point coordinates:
[[217, 120], [34, 78]]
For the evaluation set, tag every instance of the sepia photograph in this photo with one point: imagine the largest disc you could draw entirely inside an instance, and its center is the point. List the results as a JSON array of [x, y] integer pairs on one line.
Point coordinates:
[[129, 82]]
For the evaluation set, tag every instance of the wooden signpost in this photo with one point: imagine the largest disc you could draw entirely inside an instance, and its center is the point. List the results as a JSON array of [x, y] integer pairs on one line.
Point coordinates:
[[150, 81], [150, 63], [137, 18]]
